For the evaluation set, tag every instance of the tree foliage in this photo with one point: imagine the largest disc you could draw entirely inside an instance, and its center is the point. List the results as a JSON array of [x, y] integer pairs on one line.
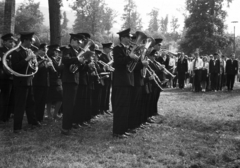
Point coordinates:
[[174, 24], [28, 17], [164, 24], [93, 16], [154, 21], [131, 17], [205, 26]]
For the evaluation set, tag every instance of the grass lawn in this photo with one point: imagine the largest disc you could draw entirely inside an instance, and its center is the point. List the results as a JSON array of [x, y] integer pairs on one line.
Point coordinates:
[[194, 130]]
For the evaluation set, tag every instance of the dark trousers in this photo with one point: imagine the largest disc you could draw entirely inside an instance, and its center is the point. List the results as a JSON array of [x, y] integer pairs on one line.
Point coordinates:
[[136, 107], [40, 97], [154, 104], [121, 104], [230, 81], [197, 80], [220, 82], [69, 98], [214, 81], [24, 100], [181, 78], [80, 108], [105, 94], [146, 103], [175, 79], [96, 99], [6, 100]]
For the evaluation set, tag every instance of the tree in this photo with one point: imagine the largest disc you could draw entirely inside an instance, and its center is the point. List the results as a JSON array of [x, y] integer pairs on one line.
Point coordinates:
[[131, 17], [93, 16], [29, 17], [65, 21], [9, 16], [205, 26], [174, 24], [55, 21], [164, 25], [154, 21]]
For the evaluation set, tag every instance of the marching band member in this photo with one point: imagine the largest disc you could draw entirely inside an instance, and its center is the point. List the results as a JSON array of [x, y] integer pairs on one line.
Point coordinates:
[[23, 89], [106, 57], [55, 92], [123, 82], [70, 80], [134, 119], [6, 81], [41, 82]]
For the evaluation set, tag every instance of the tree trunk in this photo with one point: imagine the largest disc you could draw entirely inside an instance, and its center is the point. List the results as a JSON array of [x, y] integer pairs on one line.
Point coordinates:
[[54, 21], [9, 16]]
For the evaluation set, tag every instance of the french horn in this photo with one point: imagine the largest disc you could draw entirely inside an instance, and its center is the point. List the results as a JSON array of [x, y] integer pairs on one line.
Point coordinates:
[[33, 64]]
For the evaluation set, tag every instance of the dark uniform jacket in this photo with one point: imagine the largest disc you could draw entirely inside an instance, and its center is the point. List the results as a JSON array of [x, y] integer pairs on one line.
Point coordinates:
[[138, 78], [182, 66], [69, 58], [41, 78], [214, 68], [121, 75], [20, 65], [3, 73], [232, 67], [55, 77]]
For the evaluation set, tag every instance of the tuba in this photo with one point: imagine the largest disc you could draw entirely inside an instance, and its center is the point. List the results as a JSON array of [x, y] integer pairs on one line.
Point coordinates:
[[33, 64], [139, 48], [73, 68]]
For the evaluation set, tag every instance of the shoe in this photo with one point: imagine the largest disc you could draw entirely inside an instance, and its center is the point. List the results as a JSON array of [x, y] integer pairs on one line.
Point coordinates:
[[120, 136], [150, 121], [108, 112], [132, 131], [76, 126], [85, 124]]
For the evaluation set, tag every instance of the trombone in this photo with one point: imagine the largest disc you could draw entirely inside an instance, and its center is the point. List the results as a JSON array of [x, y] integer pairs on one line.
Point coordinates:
[[155, 77]]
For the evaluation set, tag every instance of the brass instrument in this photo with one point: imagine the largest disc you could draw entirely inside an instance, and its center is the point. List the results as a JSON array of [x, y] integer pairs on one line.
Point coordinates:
[[160, 66], [32, 63], [73, 68], [47, 59], [139, 48], [155, 77], [110, 68]]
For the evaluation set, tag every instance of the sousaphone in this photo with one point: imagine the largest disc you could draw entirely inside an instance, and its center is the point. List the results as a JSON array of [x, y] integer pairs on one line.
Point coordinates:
[[32, 63]]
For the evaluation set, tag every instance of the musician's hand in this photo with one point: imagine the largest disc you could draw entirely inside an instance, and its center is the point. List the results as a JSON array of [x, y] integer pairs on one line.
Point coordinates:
[[133, 56], [145, 62], [93, 73], [151, 77], [30, 56], [91, 65], [81, 59]]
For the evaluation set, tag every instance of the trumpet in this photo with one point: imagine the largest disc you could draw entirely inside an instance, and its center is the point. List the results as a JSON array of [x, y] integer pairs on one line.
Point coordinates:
[[73, 68], [155, 77], [110, 68]]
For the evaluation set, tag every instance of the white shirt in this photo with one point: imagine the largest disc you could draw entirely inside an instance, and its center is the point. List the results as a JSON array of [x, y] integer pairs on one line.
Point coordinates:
[[206, 66], [171, 62], [198, 64]]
